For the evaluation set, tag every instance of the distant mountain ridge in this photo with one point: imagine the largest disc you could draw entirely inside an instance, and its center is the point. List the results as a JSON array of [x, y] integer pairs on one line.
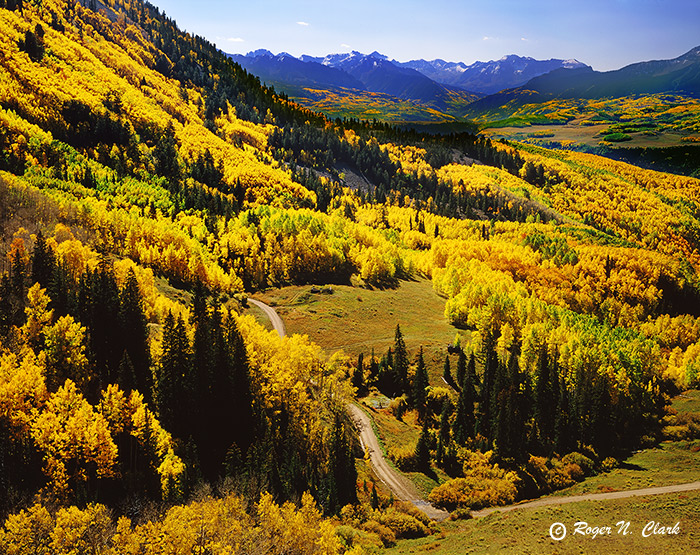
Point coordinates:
[[677, 75], [489, 77], [360, 72]]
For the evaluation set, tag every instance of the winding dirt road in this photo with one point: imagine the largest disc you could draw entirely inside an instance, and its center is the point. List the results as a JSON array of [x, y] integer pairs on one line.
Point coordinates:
[[271, 313], [589, 497], [400, 487]]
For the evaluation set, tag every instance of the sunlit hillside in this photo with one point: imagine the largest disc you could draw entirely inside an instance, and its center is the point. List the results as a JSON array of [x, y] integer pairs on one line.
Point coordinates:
[[148, 185]]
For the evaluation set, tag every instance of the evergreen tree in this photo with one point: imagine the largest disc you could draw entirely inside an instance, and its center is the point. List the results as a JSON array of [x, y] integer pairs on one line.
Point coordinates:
[[373, 369], [487, 386], [471, 372], [446, 372], [374, 502], [126, 375], [342, 470], [461, 366], [464, 423], [546, 397], [166, 157], [420, 382], [134, 335], [509, 424], [400, 360], [444, 433], [43, 262], [389, 378], [358, 376], [422, 453], [564, 433], [62, 292], [175, 383], [99, 309], [18, 276]]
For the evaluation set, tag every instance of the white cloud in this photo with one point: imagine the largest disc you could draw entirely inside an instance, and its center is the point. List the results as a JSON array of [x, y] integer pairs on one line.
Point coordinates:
[[487, 38], [234, 39], [345, 46], [524, 39], [302, 23]]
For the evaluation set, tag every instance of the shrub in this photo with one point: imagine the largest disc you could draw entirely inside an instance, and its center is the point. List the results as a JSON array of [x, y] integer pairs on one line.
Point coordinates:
[[484, 484], [609, 464], [675, 433], [461, 514], [403, 525], [398, 407], [347, 534], [403, 457], [585, 464], [558, 479], [617, 137], [384, 533], [355, 515]]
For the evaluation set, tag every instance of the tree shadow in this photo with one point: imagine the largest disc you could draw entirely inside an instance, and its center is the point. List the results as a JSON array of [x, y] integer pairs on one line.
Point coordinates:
[[629, 466]]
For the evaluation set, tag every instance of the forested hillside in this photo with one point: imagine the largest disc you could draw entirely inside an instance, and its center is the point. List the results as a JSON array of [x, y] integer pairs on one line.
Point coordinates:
[[148, 183]]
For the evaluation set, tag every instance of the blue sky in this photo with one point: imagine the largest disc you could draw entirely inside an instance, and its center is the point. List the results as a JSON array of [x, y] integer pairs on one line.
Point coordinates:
[[606, 34]]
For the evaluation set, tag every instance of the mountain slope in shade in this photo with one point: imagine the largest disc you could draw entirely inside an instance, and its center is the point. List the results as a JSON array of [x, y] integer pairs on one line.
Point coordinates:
[[489, 77], [679, 75]]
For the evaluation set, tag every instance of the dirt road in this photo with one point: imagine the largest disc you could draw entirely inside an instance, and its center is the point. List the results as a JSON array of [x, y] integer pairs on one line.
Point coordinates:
[[271, 313], [401, 487], [589, 497]]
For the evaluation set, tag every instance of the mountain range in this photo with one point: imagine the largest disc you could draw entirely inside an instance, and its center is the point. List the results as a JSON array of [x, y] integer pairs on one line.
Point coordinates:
[[459, 90], [436, 83], [489, 77]]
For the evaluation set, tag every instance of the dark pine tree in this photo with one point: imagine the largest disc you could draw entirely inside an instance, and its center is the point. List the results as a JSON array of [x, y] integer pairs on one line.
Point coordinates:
[[464, 423], [447, 372], [373, 370], [461, 367], [471, 372], [420, 383], [43, 262], [374, 502], [342, 467], [134, 335], [444, 433], [358, 376], [565, 435], [422, 453], [546, 398], [126, 375], [487, 387], [175, 384], [400, 360]]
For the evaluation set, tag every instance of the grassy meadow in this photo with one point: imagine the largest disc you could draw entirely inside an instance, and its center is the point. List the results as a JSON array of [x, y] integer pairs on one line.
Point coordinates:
[[357, 320]]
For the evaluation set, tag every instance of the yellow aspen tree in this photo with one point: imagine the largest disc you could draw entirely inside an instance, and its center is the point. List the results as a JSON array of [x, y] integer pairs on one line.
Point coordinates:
[[70, 434]]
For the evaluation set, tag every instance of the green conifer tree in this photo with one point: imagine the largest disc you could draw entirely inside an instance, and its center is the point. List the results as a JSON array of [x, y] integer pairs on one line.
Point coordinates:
[[444, 433], [420, 383], [422, 453], [400, 361], [447, 372]]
